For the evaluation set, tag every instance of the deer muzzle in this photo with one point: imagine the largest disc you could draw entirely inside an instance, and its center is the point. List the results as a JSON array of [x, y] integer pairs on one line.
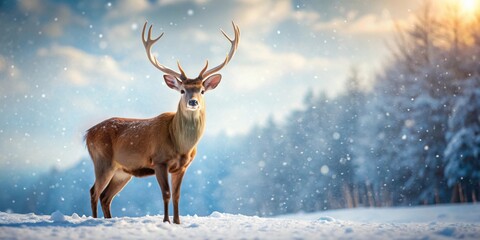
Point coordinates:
[[192, 104]]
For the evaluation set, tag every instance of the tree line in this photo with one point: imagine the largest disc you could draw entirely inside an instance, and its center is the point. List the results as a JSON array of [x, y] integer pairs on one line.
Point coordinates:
[[413, 138]]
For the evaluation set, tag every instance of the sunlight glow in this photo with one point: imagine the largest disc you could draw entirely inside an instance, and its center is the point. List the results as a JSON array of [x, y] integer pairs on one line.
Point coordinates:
[[469, 6]]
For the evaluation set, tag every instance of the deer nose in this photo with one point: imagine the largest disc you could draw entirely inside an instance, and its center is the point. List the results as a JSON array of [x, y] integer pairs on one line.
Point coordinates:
[[193, 102]]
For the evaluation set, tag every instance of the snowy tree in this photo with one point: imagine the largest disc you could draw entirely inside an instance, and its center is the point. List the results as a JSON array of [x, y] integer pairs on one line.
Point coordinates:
[[414, 100], [353, 102], [257, 180], [462, 154], [309, 134]]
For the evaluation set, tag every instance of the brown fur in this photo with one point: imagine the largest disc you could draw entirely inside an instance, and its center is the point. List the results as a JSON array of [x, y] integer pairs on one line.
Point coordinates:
[[140, 172], [122, 147]]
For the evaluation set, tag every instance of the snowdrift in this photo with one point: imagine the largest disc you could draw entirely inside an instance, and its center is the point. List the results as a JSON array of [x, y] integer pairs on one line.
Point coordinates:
[[437, 222]]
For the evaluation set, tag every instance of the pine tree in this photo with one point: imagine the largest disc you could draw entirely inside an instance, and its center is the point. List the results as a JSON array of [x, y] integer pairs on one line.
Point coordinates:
[[462, 155]]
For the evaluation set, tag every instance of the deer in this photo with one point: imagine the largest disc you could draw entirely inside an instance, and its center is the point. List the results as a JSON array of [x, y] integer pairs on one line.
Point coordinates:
[[121, 148]]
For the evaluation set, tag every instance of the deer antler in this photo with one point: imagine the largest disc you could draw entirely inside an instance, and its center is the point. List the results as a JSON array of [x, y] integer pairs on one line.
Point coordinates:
[[204, 74], [148, 43]]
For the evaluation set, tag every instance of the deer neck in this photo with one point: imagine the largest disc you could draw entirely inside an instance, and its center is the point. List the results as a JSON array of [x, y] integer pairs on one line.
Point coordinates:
[[187, 128]]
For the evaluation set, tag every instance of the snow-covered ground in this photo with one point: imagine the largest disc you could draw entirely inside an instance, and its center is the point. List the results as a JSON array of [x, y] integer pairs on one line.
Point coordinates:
[[434, 222]]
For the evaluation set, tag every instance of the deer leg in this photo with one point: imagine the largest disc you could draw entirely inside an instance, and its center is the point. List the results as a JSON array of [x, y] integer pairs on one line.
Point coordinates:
[[93, 201], [102, 178], [176, 184], [118, 182], [162, 178]]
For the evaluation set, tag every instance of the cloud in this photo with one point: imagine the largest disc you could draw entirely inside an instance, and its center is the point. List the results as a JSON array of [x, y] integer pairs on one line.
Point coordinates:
[[171, 2], [124, 8], [52, 18], [83, 69], [262, 15], [32, 6], [122, 37], [199, 35], [128, 8], [307, 17], [261, 65], [353, 24]]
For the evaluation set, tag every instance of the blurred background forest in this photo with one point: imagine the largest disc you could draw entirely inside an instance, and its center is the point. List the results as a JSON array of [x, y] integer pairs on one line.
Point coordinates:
[[411, 138]]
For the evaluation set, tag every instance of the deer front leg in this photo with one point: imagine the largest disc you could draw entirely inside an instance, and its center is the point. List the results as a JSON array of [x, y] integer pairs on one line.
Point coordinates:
[[162, 178], [176, 184]]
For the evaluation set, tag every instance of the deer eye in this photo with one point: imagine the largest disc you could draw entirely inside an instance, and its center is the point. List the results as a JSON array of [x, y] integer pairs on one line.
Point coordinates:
[[203, 91], [182, 91]]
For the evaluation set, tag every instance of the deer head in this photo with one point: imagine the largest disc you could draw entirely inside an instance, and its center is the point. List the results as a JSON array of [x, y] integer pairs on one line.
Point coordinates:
[[192, 89]]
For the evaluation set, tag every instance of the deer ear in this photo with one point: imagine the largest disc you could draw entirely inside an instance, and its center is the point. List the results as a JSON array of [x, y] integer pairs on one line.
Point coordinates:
[[212, 82], [172, 82]]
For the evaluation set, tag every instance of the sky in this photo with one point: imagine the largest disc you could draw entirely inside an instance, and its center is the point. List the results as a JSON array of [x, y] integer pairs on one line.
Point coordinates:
[[67, 65]]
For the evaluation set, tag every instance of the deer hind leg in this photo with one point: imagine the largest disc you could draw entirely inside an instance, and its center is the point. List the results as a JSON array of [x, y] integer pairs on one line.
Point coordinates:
[[118, 182], [103, 175], [162, 178]]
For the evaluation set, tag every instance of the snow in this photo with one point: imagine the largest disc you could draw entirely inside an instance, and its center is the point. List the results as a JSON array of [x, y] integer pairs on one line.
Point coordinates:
[[57, 216], [448, 213], [433, 222]]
